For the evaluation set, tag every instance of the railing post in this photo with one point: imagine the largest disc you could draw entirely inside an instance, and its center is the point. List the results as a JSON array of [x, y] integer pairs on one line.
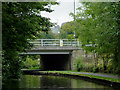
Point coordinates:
[[77, 42], [41, 42], [61, 42]]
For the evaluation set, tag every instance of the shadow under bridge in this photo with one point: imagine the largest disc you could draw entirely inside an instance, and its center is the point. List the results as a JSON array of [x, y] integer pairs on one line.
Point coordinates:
[[55, 54]]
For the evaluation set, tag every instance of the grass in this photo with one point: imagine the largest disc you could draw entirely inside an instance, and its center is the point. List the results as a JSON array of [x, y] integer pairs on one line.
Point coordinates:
[[86, 75], [32, 68]]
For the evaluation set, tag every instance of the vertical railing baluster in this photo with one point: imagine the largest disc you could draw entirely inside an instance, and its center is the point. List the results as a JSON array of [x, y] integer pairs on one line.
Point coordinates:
[[59, 42], [78, 42], [41, 42]]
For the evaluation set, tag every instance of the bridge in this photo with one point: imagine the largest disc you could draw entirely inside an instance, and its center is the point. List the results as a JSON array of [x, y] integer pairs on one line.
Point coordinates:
[[55, 54]]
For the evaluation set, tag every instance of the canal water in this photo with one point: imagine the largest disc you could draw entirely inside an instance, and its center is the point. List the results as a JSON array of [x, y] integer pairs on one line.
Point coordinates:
[[46, 81]]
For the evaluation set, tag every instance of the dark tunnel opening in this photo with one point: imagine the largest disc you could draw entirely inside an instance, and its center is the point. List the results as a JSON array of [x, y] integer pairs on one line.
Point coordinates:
[[55, 62]]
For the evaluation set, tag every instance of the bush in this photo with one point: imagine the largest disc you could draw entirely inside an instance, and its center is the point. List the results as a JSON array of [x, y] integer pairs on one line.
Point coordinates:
[[79, 64], [88, 67], [95, 69], [29, 63]]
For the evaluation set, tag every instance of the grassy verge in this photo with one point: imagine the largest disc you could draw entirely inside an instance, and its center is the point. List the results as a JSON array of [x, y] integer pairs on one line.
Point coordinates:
[[85, 75], [33, 68]]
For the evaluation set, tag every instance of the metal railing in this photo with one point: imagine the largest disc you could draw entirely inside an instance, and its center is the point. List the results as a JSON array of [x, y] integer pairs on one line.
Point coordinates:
[[55, 42]]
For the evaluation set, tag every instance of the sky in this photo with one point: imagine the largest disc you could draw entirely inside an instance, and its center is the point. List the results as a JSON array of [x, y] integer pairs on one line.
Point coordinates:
[[61, 11]]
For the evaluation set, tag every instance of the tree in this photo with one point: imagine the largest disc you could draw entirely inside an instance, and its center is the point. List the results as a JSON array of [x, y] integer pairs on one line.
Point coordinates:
[[20, 21], [101, 29], [48, 35], [67, 31]]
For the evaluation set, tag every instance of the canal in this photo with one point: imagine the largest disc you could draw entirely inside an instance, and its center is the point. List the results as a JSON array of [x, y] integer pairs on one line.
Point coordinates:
[[46, 81]]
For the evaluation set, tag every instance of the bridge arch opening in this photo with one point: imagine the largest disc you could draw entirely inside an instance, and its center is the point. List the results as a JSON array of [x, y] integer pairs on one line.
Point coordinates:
[[55, 62]]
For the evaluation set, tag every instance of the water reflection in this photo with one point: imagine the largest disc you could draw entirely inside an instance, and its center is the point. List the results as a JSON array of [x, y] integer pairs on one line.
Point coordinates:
[[44, 81], [55, 82]]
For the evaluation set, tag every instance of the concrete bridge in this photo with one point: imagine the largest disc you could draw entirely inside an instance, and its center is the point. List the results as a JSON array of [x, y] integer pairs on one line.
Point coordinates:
[[55, 54]]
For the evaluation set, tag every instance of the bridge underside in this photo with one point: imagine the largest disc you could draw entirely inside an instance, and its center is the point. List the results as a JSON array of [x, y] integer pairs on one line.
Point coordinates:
[[52, 59], [55, 62]]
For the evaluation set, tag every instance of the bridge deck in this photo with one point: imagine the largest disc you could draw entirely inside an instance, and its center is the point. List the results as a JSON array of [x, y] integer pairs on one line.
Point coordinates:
[[69, 48]]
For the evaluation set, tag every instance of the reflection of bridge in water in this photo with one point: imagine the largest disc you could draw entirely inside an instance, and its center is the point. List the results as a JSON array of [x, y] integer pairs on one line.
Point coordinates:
[[55, 54]]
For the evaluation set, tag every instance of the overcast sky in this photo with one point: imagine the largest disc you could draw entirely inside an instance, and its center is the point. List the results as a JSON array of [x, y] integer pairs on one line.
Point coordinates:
[[61, 11]]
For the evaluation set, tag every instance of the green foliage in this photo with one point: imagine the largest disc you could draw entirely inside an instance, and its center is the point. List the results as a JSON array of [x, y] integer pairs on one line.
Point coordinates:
[[37, 67], [79, 65], [67, 31], [95, 69], [88, 67], [20, 21], [31, 64], [98, 26], [11, 67], [48, 35]]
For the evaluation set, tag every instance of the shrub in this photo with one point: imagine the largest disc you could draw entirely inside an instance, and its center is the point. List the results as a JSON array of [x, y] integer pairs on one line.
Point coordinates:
[[88, 67], [29, 63], [95, 69], [79, 64]]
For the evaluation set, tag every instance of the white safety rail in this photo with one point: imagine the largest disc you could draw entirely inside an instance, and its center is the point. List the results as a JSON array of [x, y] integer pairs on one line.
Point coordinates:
[[55, 42]]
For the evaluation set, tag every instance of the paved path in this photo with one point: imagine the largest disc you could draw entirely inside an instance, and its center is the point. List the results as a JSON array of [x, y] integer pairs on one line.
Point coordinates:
[[99, 74]]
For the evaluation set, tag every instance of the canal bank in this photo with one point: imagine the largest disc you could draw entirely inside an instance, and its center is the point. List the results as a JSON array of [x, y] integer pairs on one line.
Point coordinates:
[[111, 80]]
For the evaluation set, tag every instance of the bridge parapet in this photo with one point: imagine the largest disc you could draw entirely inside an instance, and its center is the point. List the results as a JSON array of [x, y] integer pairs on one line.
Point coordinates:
[[55, 43], [53, 46]]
